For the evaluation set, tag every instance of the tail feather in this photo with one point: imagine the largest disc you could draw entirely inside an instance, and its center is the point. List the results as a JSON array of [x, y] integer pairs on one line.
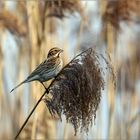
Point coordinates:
[[25, 81]]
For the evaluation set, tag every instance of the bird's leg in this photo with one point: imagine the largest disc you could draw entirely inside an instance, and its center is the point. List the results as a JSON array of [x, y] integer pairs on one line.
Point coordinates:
[[45, 87]]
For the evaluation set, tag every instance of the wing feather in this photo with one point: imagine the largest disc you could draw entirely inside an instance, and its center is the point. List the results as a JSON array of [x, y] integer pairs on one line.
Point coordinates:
[[45, 67]]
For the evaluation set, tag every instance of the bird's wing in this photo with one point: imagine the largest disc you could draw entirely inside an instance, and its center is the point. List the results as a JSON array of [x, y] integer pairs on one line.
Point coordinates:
[[45, 67]]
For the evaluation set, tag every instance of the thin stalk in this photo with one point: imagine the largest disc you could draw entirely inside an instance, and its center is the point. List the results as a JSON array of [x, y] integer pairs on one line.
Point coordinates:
[[25, 122]]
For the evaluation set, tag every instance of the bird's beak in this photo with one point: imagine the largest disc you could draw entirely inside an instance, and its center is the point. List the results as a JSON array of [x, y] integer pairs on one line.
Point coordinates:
[[61, 51]]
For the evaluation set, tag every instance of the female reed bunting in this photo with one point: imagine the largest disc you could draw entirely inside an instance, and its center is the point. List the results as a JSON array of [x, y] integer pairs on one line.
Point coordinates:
[[47, 69]]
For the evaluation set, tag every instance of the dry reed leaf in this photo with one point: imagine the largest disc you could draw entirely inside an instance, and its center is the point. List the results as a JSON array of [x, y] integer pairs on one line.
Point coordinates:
[[130, 70], [77, 90], [11, 22], [21, 6], [27, 132], [36, 128], [118, 10]]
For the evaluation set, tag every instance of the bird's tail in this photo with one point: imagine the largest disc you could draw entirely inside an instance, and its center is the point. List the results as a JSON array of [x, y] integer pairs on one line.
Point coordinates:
[[25, 81]]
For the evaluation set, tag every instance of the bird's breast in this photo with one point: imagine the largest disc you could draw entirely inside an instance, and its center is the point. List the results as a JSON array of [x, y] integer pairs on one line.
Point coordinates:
[[60, 66]]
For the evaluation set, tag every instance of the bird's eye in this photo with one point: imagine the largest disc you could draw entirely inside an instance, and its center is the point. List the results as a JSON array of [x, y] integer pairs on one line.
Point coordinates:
[[55, 51]]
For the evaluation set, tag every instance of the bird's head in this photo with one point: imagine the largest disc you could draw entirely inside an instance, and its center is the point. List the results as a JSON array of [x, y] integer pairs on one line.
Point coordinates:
[[54, 52]]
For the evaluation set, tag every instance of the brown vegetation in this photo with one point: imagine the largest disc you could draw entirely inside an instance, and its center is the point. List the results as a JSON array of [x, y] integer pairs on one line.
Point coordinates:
[[122, 10]]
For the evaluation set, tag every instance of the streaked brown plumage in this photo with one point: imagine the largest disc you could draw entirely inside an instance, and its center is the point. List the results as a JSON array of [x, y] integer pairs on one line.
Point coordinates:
[[47, 69]]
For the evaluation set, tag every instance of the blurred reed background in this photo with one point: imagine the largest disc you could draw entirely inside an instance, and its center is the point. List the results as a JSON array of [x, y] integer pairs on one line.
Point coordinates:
[[29, 28]]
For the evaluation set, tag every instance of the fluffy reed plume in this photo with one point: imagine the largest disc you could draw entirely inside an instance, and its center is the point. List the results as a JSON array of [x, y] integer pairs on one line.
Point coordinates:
[[77, 89], [11, 22], [59, 8], [117, 10]]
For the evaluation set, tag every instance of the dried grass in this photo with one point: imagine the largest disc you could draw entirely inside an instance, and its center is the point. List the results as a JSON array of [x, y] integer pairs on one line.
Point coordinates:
[[130, 70], [11, 22], [59, 8], [27, 133], [21, 6], [50, 10], [117, 10]]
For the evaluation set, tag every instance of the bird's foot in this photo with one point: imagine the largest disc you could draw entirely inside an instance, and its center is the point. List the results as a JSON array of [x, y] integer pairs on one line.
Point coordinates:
[[46, 89]]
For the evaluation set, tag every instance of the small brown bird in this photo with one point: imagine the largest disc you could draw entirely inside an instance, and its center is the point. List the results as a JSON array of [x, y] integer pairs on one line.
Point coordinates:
[[47, 69]]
